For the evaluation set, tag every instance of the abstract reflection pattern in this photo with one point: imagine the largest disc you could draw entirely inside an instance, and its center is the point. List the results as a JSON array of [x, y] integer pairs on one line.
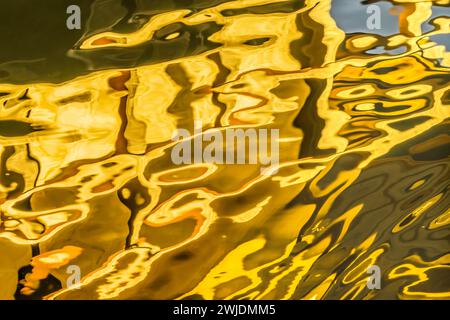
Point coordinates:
[[86, 176]]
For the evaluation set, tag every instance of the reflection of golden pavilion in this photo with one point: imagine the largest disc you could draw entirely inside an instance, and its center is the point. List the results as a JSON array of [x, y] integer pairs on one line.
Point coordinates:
[[96, 175]]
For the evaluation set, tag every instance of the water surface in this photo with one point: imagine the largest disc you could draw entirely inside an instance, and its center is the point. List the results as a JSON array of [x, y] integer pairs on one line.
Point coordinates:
[[86, 177]]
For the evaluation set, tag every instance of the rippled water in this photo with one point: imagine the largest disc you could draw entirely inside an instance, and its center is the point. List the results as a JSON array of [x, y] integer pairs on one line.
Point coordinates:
[[86, 177]]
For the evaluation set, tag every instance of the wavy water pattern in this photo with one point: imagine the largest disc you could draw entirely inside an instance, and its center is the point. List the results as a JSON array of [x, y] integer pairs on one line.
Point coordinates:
[[86, 176]]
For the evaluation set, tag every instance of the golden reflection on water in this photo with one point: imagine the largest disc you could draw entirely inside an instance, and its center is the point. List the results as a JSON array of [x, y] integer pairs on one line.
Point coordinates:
[[87, 179]]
